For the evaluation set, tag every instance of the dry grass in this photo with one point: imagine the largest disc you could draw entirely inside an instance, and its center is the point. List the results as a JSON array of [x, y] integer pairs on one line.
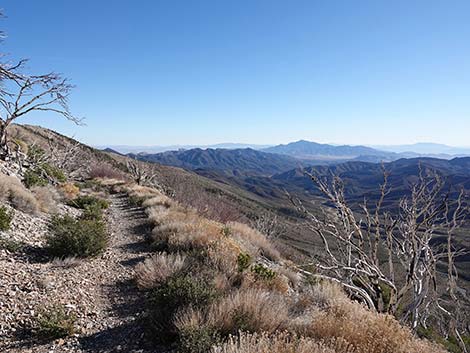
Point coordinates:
[[158, 200], [254, 240], [67, 262], [292, 276], [21, 198], [279, 343], [158, 268], [319, 318], [182, 229], [347, 321], [249, 310], [47, 197], [279, 283], [69, 190]]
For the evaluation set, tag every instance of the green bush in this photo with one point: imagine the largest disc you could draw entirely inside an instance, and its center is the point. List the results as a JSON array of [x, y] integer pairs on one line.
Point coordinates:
[[226, 231], [136, 201], [92, 212], [54, 322], [76, 237], [33, 177], [179, 291], [5, 218], [243, 261], [88, 201], [263, 272], [11, 245], [198, 340], [42, 171], [54, 172]]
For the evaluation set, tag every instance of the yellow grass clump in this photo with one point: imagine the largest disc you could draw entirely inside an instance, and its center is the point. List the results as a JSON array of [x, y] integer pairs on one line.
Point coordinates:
[[253, 240], [250, 310], [158, 268], [11, 190]]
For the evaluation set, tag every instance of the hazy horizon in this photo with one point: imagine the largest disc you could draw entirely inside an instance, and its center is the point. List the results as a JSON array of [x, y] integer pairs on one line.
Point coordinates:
[[264, 72], [280, 143]]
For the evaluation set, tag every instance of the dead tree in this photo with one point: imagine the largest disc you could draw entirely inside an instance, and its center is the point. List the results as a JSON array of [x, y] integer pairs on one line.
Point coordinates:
[[268, 223], [22, 94], [389, 260], [141, 173]]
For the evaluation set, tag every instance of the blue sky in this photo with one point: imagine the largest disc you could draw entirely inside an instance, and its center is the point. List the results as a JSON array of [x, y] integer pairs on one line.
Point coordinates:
[[200, 72]]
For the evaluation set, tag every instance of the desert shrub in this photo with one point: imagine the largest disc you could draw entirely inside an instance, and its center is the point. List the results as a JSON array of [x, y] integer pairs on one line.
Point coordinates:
[[254, 240], [42, 171], [226, 231], [243, 261], [32, 177], [136, 201], [47, 198], [72, 237], [69, 190], [88, 201], [54, 322], [177, 292], [450, 343], [92, 212], [11, 245], [181, 290], [197, 340], [158, 268], [6, 217], [262, 272]]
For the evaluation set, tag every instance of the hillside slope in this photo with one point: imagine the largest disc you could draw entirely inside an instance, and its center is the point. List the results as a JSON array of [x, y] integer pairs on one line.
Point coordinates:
[[168, 275], [232, 162]]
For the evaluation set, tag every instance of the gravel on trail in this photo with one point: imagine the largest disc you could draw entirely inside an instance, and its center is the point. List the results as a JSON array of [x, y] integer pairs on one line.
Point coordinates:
[[100, 291]]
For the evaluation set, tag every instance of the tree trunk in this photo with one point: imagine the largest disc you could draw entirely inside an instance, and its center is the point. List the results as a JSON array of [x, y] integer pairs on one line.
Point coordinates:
[[3, 141]]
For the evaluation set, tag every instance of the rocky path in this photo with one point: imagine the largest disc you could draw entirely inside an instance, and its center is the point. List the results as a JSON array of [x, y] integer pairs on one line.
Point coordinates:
[[101, 291], [121, 301]]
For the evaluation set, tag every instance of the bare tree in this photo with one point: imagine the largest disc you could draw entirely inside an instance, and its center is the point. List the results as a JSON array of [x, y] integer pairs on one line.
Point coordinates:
[[21, 94], [269, 224], [389, 260], [142, 173]]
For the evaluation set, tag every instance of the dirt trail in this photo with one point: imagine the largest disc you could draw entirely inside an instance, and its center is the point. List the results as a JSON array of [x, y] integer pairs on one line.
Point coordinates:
[[100, 290], [121, 300]]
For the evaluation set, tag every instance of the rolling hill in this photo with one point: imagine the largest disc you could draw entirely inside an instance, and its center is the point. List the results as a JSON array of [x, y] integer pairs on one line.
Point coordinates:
[[321, 152], [235, 162]]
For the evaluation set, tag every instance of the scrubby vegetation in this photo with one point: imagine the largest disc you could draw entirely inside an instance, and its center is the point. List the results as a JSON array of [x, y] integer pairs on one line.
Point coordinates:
[[6, 217], [54, 322], [12, 191], [88, 201], [76, 237], [41, 173], [225, 288]]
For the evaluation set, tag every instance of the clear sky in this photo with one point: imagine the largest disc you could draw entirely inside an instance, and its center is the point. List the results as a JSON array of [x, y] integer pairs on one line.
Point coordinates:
[[257, 71]]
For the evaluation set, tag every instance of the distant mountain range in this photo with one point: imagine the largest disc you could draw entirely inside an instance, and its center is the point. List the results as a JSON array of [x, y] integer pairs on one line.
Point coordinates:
[[268, 161], [427, 149], [319, 152], [227, 161], [363, 179], [125, 149], [307, 150]]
